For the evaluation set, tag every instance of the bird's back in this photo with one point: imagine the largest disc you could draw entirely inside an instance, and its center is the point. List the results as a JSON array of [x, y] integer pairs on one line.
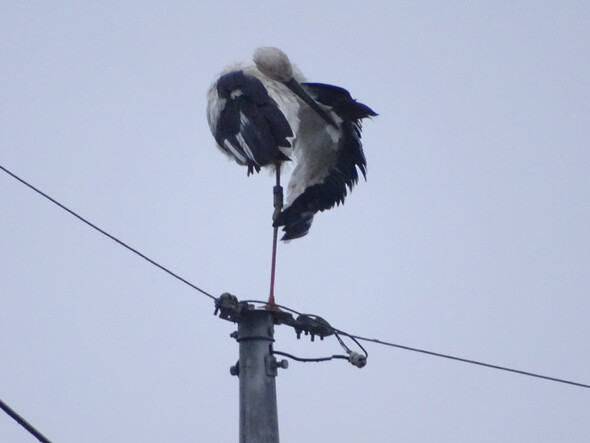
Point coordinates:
[[248, 117]]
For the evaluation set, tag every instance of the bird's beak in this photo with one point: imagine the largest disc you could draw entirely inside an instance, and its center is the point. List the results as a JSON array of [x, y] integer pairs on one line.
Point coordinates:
[[298, 90]]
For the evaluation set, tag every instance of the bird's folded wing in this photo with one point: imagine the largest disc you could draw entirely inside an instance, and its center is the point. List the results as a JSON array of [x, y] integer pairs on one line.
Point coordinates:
[[340, 177], [250, 127]]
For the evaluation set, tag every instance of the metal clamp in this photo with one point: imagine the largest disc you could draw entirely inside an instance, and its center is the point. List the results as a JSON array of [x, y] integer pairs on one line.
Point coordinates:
[[229, 308], [312, 326]]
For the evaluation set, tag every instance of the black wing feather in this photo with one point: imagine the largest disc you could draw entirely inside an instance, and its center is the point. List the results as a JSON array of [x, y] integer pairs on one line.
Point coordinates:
[[252, 117]]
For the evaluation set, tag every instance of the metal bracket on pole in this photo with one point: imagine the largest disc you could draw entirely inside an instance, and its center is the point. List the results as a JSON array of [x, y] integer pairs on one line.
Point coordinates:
[[311, 325], [271, 364], [229, 308], [256, 368]]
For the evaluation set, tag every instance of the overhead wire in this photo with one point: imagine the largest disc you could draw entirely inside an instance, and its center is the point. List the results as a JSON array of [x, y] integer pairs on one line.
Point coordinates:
[[24, 423], [317, 360], [337, 332], [20, 420], [357, 339], [103, 232], [465, 360]]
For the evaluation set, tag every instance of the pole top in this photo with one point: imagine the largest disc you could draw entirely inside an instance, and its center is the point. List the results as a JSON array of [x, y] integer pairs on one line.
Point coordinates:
[[230, 308]]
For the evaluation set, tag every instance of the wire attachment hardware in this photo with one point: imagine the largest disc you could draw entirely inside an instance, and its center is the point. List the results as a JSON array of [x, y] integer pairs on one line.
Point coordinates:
[[357, 359], [229, 308], [312, 325]]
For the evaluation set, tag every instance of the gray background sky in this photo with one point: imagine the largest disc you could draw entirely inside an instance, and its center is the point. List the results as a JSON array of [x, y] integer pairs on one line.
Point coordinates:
[[469, 238]]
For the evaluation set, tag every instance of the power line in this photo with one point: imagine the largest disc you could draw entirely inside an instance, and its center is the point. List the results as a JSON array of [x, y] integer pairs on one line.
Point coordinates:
[[465, 360], [357, 338], [103, 232], [305, 360], [353, 337], [25, 424]]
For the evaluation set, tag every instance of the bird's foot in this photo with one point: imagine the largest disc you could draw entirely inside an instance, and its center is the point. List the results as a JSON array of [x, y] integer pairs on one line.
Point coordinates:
[[271, 305]]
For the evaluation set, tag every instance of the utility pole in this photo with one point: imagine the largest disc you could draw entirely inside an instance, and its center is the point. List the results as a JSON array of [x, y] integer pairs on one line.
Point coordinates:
[[257, 365], [256, 368]]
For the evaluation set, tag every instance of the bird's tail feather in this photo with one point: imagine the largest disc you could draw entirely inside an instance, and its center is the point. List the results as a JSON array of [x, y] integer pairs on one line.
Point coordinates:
[[295, 225], [296, 219]]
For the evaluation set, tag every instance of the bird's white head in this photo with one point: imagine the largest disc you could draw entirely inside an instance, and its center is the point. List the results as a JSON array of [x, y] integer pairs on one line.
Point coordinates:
[[273, 63]]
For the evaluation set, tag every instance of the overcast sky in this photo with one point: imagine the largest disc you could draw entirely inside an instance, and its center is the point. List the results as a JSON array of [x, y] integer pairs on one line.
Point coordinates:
[[469, 238]]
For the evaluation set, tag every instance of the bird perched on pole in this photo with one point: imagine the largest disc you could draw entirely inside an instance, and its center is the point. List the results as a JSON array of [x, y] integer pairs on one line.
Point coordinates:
[[264, 114]]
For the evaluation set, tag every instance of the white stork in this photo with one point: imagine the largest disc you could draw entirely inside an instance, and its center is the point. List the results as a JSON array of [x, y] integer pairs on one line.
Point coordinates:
[[264, 114]]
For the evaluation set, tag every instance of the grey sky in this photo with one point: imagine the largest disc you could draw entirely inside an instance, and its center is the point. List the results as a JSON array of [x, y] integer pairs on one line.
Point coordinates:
[[470, 236]]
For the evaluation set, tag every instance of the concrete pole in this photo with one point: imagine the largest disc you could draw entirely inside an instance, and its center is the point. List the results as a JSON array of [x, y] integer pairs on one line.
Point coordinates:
[[257, 370]]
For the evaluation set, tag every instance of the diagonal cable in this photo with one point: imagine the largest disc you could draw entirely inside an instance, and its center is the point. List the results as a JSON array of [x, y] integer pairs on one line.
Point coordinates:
[[355, 338], [103, 232], [465, 360], [25, 424]]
